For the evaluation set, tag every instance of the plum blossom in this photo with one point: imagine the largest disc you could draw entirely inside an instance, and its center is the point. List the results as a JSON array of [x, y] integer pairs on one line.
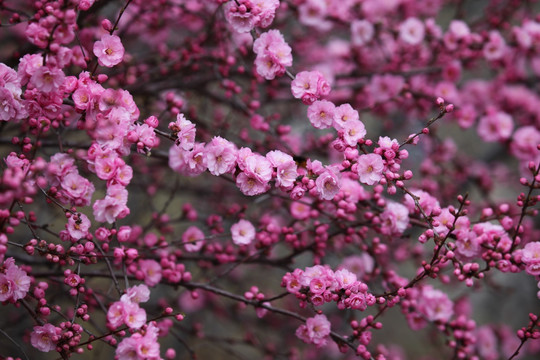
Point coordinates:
[[328, 184], [140, 347], [495, 126], [412, 31], [78, 226], [220, 156], [243, 232], [14, 282], [193, 239], [150, 271], [109, 50], [44, 337], [362, 32], [244, 15], [435, 305], [530, 256], [315, 331], [309, 86], [370, 168], [394, 218], [189, 163], [273, 54], [321, 114]]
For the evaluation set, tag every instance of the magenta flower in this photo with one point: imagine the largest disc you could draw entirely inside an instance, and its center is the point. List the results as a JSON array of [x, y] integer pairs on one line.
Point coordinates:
[[109, 50]]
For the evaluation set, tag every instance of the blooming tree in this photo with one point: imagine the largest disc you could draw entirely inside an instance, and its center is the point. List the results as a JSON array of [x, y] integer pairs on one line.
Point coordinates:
[[269, 179]]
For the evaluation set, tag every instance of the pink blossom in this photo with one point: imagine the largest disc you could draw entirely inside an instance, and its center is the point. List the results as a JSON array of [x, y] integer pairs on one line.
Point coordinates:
[[151, 271], [313, 13], [412, 31], [530, 256], [353, 131], [116, 314], [137, 294], [309, 86], [321, 114], [468, 245], [258, 167], [78, 226], [109, 50], [300, 210], [370, 168], [344, 278], [243, 232], [14, 283], [193, 239], [28, 65], [273, 54], [286, 168], [47, 79], [134, 315], [495, 47], [250, 185], [427, 202], [394, 218], [184, 131], [524, 143], [315, 331], [7, 287], [328, 184], [362, 32], [359, 264], [385, 87], [435, 305], [113, 206], [495, 126], [43, 337], [220, 156], [487, 343], [127, 348], [343, 114], [188, 163]]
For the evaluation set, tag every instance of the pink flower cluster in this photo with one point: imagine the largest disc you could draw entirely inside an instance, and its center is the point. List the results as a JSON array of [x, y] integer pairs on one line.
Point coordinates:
[[245, 15], [11, 106], [319, 284], [273, 54], [309, 86], [127, 311], [67, 185], [14, 282], [142, 345]]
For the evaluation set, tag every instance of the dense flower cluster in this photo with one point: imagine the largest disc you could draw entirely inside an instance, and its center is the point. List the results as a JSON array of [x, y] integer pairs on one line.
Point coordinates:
[[161, 157]]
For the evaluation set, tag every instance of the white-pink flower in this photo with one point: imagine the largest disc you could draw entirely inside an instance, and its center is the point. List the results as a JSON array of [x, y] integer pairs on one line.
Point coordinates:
[[412, 31], [243, 232], [370, 168], [109, 50]]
